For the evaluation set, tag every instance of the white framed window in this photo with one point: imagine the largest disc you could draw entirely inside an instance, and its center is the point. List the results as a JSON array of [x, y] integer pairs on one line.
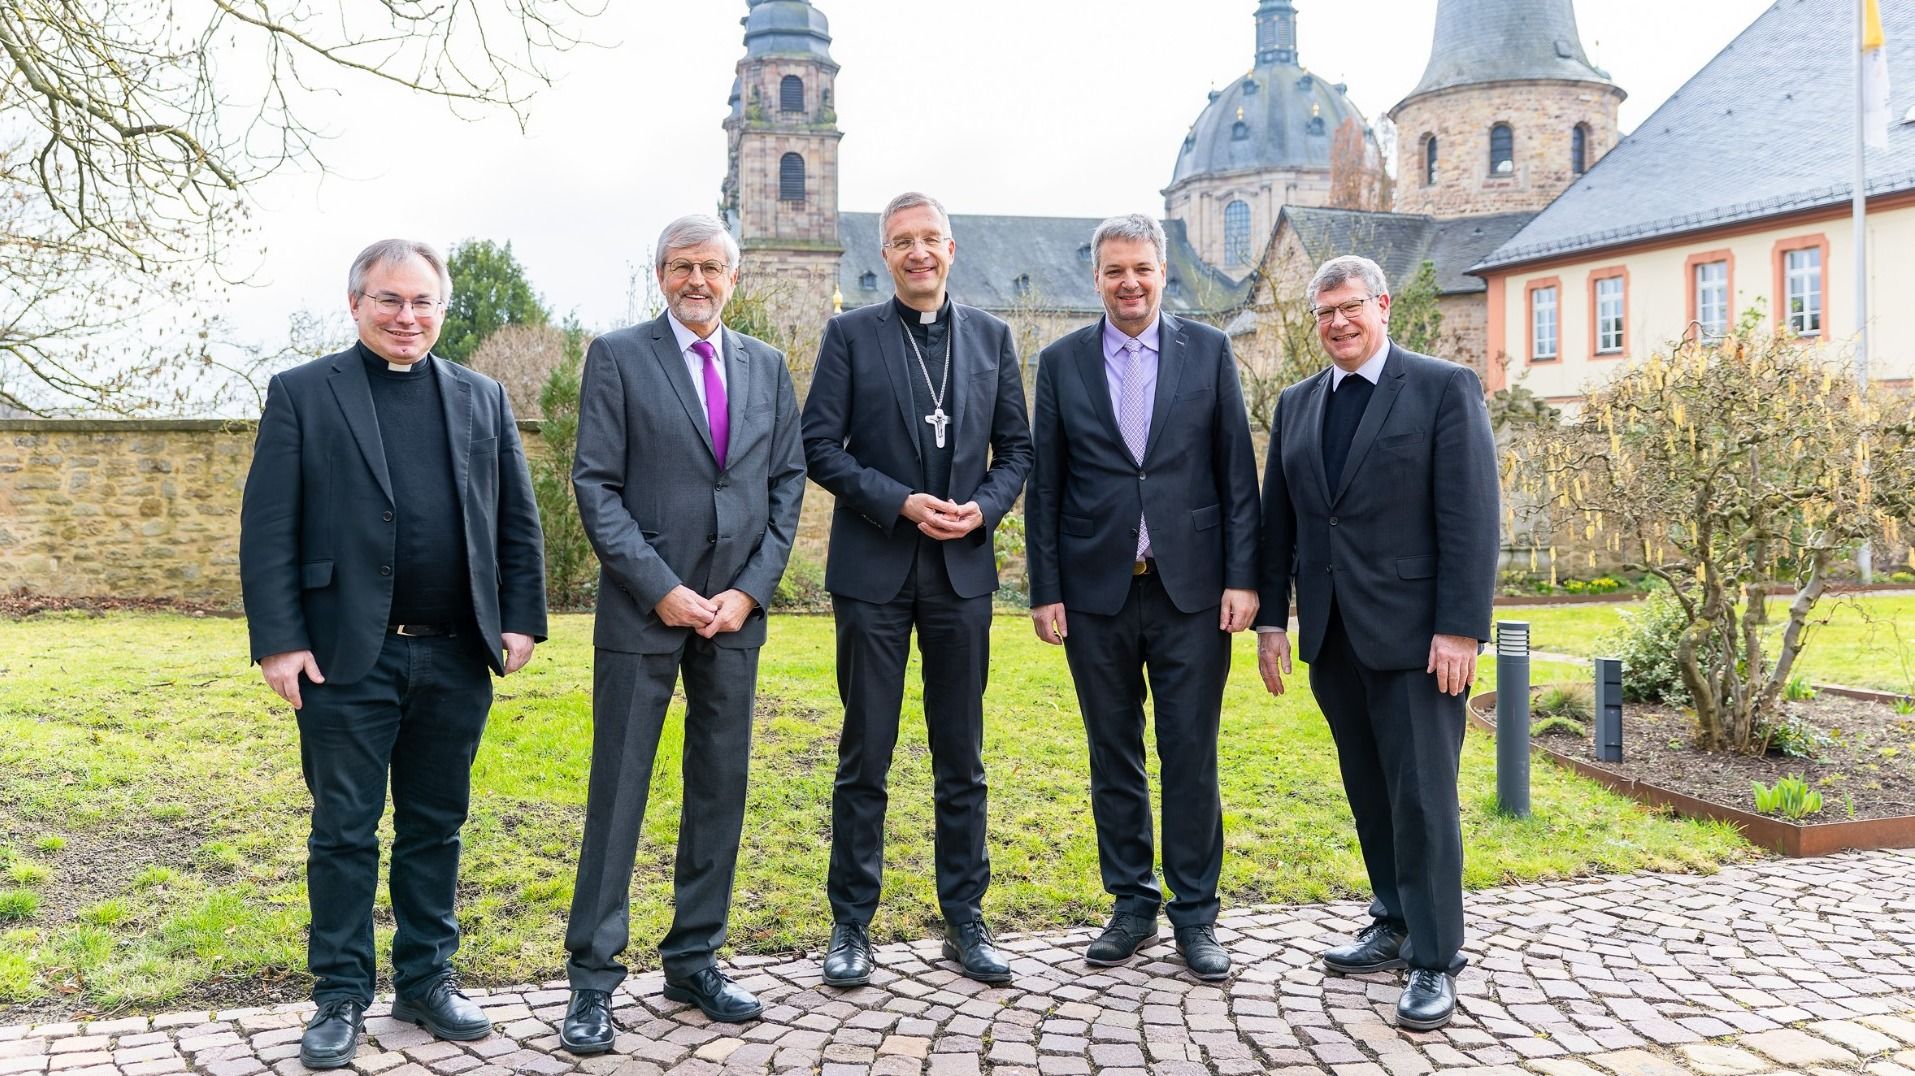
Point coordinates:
[[1609, 314], [1542, 324], [1802, 290], [1712, 299]]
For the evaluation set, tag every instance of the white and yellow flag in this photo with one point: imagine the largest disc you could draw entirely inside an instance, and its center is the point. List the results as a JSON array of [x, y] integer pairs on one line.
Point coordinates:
[[1875, 114]]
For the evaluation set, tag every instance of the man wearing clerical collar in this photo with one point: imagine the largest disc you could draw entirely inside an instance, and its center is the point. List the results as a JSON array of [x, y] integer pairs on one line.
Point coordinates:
[[391, 563], [915, 423]]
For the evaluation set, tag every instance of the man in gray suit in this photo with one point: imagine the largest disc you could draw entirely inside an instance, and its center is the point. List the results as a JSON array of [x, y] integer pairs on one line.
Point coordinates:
[[1380, 511], [689, 474]]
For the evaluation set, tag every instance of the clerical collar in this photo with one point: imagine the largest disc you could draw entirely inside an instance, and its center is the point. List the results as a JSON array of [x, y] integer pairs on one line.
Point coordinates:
[[913, 316], [377, 363]]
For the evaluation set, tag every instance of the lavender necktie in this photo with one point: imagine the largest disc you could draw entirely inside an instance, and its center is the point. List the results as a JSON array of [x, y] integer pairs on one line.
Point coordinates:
[[715, 404], [1133, 421]]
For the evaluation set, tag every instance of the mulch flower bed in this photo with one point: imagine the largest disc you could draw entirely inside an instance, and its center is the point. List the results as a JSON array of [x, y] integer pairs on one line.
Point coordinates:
[[1865, 770]]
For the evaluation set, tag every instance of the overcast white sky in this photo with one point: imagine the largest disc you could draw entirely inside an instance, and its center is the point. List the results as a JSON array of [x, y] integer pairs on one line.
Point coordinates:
[[1041, 107]]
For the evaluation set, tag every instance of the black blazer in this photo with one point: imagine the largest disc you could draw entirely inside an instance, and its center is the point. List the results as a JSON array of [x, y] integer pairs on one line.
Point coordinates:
[[861, 444], [1407, 547], [1197, 486], [316, 531]]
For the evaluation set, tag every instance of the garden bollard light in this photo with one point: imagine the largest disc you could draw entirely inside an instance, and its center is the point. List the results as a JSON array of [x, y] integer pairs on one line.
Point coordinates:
[[1608, 709], [1512, 717]]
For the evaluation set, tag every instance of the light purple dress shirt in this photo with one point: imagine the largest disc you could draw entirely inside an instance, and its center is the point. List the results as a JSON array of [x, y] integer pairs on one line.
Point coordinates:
[[1117, 365]]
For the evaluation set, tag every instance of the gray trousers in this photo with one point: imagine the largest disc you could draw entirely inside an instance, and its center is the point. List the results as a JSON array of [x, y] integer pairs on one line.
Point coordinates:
[[630, 693]]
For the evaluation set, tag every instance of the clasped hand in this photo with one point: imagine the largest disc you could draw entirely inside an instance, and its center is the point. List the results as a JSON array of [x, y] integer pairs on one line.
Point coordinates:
[[683, 607], [942, 519]]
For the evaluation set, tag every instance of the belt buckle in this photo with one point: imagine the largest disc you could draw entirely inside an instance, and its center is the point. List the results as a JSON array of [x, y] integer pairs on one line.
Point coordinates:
[[401, 630], [1141, 567]]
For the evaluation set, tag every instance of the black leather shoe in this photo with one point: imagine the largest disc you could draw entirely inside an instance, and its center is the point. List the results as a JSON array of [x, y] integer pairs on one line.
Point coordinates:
[[588, 1022], [445, 1011], [715, 995], [848, 961], [1428, 1001], [1378, 947], [1202, 955], [1122, 937], [971, 946], [332, 1035]]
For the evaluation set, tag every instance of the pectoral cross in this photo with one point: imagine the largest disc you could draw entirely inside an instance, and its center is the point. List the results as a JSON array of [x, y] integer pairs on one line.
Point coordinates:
[[938, 420]]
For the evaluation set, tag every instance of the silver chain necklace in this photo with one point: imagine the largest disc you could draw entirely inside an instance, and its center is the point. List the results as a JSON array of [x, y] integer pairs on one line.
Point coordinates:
[[937, 418]]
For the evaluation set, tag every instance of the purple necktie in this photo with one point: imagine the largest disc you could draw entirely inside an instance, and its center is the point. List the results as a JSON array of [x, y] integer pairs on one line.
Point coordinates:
[[1133, 421], [715, 408]]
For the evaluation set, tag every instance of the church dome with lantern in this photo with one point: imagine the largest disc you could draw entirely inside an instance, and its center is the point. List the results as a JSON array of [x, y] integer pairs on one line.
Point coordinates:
[[1263, 141]]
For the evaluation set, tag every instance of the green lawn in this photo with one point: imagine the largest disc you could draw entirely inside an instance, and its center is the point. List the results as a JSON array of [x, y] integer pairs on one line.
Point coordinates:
[[152, 815], [1860, 641]]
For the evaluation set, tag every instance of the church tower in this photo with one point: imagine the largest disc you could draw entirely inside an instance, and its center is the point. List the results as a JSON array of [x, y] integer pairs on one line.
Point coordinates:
[[780, 196], [1508, 114]]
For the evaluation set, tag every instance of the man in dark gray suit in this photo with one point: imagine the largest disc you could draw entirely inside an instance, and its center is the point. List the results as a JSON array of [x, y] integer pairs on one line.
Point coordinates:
[[391, 561], [1142, 528], [689, 476], [1380, 506], [915, 423]]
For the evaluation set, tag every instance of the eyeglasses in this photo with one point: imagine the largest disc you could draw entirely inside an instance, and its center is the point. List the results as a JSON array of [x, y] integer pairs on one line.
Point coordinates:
[[680, 270], [390, 305], [1349, 310], [904, 244]]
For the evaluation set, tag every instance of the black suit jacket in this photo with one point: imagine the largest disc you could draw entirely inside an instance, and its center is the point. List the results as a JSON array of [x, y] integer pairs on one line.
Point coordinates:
[[317, 535], [1197, 486], [861, 444], [1407, 546]]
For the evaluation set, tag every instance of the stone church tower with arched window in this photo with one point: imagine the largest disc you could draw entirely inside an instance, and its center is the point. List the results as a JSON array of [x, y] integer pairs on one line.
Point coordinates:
[[1508, 113], [780, 196]]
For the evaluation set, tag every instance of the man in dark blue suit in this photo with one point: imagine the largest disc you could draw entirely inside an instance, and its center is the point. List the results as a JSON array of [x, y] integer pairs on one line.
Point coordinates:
[[1380, 508], [1142, 527], [392, 563]]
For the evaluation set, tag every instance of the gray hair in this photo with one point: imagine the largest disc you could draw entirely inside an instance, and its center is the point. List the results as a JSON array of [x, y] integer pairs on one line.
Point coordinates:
[[691, 230], [1339, 271], [393, 252], [910, 200], [1133, 226]]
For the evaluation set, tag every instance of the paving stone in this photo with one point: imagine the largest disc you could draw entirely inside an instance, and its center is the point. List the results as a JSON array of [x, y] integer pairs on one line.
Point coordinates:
[[1637, 1063], [1787, 1046], [1862, 1040], [1712, 1059]]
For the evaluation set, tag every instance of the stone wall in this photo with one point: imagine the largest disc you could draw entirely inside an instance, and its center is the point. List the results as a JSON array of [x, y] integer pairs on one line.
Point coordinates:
[[1541, 116], [125, 508]]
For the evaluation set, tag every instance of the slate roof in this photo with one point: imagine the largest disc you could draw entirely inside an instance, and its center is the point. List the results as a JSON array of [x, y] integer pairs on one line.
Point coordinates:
[[1402, 242], [1288, 118], [1478, 41], [786, 27], [1766, 127], [1053, 252]]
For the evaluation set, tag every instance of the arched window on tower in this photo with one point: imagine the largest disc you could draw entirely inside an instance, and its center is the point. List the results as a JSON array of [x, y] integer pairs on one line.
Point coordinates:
[[791, 94], [1502, 150], [1579, 149], [1236, 234], [791, 178], [1429, 160]]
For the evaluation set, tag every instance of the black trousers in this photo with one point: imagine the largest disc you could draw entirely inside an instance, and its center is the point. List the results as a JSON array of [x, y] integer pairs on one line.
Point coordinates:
[[630, 693], [1399, 742], [417, 716], [1186, 661], [954, 642]]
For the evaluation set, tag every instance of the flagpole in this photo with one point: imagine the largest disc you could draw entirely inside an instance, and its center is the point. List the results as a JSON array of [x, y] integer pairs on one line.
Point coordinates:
[[1864, 558], [1860, 207]]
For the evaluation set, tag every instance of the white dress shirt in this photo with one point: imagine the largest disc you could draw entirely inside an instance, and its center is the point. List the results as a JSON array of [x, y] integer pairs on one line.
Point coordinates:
[[695, 362]]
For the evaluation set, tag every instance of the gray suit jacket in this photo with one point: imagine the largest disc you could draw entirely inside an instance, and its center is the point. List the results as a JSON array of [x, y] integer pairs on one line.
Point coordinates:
[[655, 504], [1406, 546]]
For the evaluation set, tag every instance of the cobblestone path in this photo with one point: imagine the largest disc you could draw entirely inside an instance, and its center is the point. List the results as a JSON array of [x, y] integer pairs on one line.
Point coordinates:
[[1781, 966]]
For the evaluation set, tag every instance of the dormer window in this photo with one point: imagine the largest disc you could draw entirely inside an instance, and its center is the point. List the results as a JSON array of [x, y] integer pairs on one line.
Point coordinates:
[[1240, 132], [1083, 253], [1308, 81], [1022, 285], [1249, 87], [1315, 126], [868, 281]]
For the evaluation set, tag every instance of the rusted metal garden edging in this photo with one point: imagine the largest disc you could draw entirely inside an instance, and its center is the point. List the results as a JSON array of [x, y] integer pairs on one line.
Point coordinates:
[[1789, 838]]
